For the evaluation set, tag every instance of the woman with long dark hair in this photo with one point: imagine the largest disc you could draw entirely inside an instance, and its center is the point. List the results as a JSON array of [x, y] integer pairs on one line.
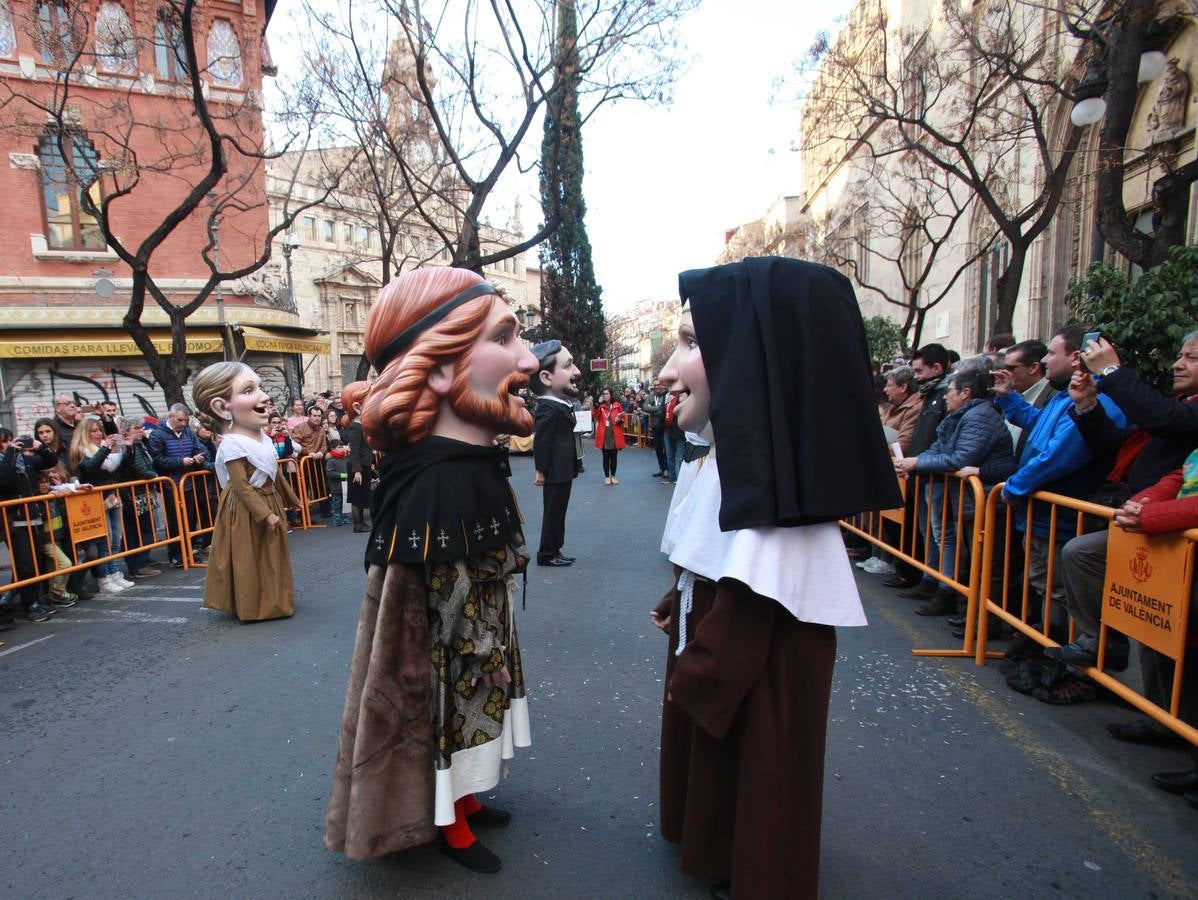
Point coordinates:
[[609, 433]]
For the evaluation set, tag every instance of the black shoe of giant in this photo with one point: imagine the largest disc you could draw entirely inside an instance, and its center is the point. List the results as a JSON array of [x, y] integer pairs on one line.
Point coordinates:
[[722, 891], [476, 857], [1177, 782], [489, 815]]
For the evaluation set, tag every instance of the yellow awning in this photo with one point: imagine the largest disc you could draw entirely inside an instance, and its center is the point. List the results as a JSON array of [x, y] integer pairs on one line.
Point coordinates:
[[281, 342], [100, 342]]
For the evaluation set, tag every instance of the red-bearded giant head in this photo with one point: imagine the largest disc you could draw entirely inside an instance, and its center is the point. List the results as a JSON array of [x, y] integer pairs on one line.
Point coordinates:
[[478, 340]]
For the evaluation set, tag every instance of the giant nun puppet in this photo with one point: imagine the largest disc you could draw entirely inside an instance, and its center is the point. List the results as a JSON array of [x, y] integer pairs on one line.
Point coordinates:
[[436, 693], [773, 355]]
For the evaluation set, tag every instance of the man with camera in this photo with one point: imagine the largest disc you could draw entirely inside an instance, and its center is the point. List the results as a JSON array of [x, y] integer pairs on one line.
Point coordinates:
[[1055, 457], [1141, 456]]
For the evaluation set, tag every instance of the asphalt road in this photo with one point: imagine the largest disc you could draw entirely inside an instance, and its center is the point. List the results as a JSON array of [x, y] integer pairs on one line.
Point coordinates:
[[152, 749]]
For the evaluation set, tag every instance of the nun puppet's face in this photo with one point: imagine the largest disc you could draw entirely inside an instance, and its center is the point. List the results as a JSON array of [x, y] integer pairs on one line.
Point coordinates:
[[684, 373]]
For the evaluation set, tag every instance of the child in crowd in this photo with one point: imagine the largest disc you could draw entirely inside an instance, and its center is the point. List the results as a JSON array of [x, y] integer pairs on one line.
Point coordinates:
[[57, 533], [336, 466]]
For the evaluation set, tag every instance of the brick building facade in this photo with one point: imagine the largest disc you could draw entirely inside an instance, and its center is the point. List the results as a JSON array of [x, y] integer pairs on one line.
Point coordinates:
[[119, 75]]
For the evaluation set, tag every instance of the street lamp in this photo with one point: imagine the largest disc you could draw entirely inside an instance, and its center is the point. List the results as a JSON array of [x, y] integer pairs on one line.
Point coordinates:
[[290, 242], [1089, 97]]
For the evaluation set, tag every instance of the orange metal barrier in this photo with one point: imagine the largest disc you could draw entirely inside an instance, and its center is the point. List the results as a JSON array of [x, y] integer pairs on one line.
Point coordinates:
[[84, 519], [199, 510], [956, 491], [1158, 564], [312, 480], [633, 435]]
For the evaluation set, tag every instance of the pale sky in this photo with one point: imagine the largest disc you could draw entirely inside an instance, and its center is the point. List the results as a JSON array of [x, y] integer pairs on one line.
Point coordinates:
[[663, 184]]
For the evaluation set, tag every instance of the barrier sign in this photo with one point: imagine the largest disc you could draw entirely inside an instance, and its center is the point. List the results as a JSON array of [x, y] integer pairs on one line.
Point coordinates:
[[85, 512], [1145, 594]]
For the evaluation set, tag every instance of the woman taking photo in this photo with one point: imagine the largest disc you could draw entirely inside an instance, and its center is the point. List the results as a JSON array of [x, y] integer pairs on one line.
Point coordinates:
[[609, 433], [137, 503], [96, 458]]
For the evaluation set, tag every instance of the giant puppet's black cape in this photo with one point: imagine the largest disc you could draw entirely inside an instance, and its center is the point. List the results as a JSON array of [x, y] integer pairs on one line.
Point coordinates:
[[792, 400], [440, 500]]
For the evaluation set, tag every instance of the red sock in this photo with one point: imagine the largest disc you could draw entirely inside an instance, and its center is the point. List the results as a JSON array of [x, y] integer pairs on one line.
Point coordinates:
[[470, 804], [458, 835]]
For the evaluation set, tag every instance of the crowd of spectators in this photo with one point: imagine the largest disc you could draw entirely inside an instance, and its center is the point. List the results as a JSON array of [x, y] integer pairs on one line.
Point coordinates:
[[85, 449], [1068, 417]]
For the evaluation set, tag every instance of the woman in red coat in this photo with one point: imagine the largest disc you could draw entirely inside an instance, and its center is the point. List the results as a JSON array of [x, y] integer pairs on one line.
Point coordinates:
[[609, 433]]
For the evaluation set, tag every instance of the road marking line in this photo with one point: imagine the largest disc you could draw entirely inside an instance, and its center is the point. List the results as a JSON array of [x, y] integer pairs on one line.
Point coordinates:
[[126, 616], [148, 620], [172, 587], [23, 646], [1120, 830], [150, 598]]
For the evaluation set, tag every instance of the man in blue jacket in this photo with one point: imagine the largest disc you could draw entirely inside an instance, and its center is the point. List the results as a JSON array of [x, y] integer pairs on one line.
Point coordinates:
[[176, 451], [1055, 458]]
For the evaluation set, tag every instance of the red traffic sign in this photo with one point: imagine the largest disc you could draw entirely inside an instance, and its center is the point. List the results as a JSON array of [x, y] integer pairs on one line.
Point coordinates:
[[598, 365]]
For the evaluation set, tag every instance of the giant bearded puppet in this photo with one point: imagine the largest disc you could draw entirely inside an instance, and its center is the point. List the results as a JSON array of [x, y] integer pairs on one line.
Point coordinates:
[[774, 367], [436, 692]]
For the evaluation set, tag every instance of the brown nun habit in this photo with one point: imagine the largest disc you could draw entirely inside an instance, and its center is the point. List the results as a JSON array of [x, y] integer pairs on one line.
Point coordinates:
[[745, 712]]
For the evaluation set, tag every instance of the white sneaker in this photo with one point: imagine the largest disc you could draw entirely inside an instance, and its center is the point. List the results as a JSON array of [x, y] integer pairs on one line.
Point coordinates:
[[122, 580], [109, 586], [877, 566], [861, 564]]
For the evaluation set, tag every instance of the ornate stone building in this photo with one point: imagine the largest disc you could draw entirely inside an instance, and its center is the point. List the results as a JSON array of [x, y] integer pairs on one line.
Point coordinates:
[[845, 187], [333, 260]]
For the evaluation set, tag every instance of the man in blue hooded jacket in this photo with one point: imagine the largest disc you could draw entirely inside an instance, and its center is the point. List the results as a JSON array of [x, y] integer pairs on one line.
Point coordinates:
[[1055, 458]]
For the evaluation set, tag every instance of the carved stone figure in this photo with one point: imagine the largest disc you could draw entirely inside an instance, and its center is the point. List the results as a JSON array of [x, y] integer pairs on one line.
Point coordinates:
[[1169, 112]]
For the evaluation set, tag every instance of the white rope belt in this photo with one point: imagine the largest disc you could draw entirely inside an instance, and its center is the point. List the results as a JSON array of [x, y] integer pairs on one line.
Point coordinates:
[[686, 590]]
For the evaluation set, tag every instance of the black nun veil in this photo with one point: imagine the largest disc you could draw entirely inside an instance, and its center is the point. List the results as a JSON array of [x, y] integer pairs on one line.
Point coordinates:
[[792, 401]]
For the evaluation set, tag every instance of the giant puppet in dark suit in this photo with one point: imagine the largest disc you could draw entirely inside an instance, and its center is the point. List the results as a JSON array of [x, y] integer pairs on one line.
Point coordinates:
[[436, 689], [554, 451]]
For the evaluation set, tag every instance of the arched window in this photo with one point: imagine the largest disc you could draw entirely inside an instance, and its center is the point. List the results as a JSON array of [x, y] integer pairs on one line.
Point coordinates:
[[61, 30], [115, 48], [8, 37], [170, 57], [68, 227], [224, 55]]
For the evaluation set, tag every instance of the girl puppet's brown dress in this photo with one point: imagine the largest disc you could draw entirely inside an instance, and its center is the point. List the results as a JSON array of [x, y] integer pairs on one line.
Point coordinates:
[[249, 568]]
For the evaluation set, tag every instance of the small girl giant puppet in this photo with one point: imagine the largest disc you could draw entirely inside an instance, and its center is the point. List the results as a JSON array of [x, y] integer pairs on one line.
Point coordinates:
[[249, 569], [773, 355]]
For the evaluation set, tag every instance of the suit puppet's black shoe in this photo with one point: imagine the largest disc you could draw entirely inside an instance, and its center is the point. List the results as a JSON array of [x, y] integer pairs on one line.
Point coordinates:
[[476, 857], [489, 815], [722, 891]]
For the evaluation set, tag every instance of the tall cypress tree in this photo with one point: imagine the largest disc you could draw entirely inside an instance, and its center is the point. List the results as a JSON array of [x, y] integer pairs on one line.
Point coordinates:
[[571, 301]]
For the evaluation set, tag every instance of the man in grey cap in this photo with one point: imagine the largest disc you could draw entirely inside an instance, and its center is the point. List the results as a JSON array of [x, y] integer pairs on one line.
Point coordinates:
[[556, 386]]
